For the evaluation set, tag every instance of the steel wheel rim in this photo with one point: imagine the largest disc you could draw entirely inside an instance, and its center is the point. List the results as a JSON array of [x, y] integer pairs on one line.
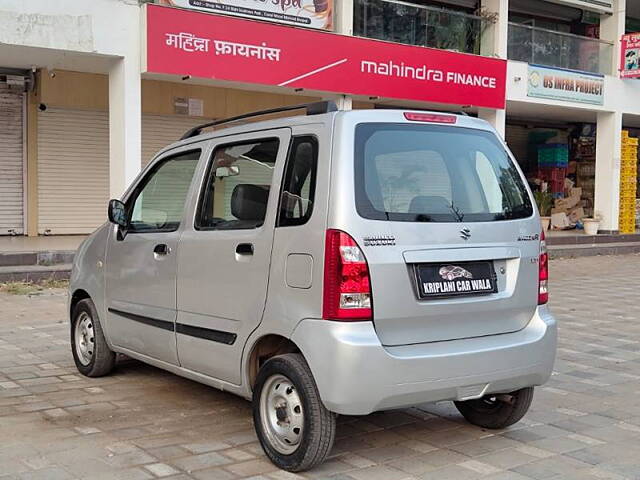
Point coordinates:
[[84, 338], [281, 414]]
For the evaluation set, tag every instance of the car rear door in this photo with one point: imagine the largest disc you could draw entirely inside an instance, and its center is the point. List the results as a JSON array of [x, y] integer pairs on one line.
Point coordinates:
[[449, 232], [225, 252]]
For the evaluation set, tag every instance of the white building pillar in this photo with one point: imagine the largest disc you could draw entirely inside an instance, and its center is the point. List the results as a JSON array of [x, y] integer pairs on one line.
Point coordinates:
[[612, 27], [495, 38], [125, 123], [343, 17], [343, 24], [608, 156], [495, 43], [497, 118]]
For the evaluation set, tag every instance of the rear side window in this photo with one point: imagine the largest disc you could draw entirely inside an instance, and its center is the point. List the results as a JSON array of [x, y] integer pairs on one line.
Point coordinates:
[[298, 189], [433, 173]]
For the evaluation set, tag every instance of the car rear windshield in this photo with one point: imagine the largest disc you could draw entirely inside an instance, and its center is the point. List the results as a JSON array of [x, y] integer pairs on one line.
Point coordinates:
[[434, 173]]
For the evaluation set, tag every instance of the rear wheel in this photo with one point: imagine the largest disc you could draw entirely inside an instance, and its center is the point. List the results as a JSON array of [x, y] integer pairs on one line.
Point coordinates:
[[91, 354], [497, 411], [295, 429]]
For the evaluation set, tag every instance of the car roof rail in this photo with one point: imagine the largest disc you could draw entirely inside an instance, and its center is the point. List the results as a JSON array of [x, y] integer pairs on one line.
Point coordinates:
[[315, 108]]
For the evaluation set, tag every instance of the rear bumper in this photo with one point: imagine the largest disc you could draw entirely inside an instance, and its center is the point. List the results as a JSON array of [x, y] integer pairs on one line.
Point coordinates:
[[356, 375]]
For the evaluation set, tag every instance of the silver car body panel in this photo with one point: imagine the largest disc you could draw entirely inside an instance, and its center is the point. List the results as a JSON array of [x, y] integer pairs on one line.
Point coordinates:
[[414, 351], [357, 375]]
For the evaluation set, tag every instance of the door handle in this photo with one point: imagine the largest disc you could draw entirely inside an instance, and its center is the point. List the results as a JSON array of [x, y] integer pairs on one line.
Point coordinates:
[[162, 249], [244, 249]]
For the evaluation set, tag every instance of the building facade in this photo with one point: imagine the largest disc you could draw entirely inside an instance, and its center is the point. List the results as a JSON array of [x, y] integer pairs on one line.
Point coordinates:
[[89, 91]]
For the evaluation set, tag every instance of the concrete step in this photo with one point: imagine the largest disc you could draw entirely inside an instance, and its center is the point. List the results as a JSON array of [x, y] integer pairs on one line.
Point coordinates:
[[587, 250], [34, 273], [576, 237], [44, 258]]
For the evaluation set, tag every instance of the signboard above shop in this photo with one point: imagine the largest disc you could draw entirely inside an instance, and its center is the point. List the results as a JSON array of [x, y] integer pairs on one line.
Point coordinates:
[[566, 85], [601, 6], [181, 42], [316, 14], [630, 56]]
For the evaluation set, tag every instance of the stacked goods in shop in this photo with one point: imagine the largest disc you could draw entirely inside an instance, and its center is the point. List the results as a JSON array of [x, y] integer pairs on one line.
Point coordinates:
[[585, 154], [553, 155], [554, 177], [628, 186], [553, 160]]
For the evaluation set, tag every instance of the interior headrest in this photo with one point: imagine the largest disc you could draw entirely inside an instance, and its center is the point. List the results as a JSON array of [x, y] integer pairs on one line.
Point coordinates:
[[249, 202]]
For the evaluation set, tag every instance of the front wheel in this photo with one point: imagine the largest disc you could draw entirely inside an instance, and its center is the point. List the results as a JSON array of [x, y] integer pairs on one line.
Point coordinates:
[[91, 354], [497, 411], [295, 429]]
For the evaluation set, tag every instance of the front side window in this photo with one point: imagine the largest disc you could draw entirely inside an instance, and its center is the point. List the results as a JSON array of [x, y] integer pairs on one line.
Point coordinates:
[[433, 173], [158, 204], [237, 186]]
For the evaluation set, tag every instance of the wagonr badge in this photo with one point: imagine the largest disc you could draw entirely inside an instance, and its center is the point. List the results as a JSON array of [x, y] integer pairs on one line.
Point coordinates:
[[262, 260]]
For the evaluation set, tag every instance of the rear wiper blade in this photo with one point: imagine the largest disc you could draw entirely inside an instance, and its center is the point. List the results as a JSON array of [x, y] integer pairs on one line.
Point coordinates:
[[457, 212]]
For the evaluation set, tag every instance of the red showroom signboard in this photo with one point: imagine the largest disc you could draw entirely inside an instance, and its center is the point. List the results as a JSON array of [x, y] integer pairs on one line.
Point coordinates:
[[183, 42]]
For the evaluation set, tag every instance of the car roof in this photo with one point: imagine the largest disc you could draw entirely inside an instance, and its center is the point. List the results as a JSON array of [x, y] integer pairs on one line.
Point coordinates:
[[357, 116]]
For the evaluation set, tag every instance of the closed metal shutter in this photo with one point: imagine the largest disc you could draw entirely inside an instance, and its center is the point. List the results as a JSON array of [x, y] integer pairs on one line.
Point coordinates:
[[158, 131], [73, 162], [11, 161], [73, 170]]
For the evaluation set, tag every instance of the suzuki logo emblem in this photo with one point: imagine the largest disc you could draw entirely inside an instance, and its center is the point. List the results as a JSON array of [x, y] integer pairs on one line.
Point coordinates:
[[465, 233]]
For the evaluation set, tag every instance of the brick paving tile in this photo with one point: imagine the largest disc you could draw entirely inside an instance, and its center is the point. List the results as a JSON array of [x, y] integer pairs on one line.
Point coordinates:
[[143, 423]]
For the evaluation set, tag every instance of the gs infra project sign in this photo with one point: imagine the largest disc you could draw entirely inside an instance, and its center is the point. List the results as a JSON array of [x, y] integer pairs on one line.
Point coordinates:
[[182, 42], [567, 85]]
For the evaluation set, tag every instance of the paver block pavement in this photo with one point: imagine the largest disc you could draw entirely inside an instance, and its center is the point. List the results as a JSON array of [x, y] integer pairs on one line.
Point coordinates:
[[143, 423]]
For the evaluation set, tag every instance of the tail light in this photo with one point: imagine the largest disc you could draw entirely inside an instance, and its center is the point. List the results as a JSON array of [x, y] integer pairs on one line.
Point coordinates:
[[347, 287], [543, 277]]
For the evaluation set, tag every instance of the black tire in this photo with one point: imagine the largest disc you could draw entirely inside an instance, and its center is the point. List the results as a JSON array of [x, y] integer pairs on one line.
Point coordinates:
[[319, 426], [494, 412], [102, 360]]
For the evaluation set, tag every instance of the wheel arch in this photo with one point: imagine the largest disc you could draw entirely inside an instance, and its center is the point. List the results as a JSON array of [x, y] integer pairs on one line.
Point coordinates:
[[262, 350], [77, 295]]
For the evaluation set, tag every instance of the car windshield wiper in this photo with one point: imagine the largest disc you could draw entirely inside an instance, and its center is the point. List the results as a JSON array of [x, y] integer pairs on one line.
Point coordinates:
[[456, 212]]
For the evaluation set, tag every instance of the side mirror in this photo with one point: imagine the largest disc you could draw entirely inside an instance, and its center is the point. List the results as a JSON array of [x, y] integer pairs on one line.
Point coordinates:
[[118, 213]]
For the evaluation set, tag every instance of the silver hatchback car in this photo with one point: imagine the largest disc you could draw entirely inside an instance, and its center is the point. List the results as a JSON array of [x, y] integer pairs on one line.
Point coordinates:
[[339, 262]]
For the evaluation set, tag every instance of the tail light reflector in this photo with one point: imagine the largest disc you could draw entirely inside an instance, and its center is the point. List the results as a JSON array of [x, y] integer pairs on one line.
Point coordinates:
[[543, 277], [347, 286]]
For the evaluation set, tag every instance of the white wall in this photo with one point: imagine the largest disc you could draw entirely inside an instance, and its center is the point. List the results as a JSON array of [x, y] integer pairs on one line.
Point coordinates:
[[89, 26]]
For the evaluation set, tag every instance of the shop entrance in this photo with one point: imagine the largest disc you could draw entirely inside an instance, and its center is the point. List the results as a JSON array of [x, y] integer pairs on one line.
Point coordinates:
[[559, 161]]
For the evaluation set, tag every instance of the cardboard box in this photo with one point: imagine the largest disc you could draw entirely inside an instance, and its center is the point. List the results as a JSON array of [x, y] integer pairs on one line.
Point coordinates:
[[560, 221], [576, 192], [576, 214], [567, 203]]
